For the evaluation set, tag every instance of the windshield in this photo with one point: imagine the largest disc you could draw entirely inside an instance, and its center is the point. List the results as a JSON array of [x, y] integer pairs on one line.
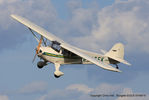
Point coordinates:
[[56, 46]]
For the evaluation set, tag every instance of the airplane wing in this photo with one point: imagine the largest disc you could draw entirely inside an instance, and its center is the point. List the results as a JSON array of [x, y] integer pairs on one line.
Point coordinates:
[[63, 44]]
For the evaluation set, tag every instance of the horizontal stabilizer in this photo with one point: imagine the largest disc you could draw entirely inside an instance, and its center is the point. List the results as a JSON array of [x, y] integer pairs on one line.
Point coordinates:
[[117, 53], [119, 60], [103, 51]]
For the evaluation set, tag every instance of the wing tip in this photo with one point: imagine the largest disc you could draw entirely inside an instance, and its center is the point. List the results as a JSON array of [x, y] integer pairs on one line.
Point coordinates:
[[127, 63], [12, 15], [117, 70]]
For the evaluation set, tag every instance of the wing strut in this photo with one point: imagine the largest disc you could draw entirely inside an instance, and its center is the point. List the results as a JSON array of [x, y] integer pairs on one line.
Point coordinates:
[[34, 34], [38, 48], [37, 38]]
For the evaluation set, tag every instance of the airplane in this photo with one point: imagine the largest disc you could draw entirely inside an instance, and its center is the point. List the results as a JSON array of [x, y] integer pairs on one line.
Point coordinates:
[[60, 53]]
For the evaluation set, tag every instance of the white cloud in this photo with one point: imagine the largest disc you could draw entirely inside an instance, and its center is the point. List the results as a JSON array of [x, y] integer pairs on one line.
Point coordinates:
[[36, 10], [39, 11], [35, 87], [6, 1], [4, 97], [74, 4], [80, 87], [125, 22], [107, 88], [77, 92], [83, 92]]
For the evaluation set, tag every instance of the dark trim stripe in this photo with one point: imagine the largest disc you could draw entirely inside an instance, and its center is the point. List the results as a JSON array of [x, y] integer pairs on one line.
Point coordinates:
[[53, 55]]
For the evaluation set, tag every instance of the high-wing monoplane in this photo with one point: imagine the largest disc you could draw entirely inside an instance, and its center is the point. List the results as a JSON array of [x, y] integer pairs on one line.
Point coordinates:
[[60, 53]]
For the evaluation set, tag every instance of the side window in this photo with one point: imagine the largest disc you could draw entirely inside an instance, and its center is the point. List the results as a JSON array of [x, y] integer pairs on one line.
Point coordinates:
[[65, 52], [56, 46]]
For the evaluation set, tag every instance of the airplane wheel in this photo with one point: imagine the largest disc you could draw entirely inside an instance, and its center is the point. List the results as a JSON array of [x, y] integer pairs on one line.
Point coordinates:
[[39, 66], [117, 66], [56, 76]]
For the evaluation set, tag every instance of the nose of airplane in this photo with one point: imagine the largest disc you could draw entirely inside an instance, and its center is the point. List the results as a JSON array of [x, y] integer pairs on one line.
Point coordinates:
[[40, 51]]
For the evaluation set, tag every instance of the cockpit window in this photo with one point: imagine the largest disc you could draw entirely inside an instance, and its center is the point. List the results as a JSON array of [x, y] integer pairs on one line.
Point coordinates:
[[68, 53], [56, 46]]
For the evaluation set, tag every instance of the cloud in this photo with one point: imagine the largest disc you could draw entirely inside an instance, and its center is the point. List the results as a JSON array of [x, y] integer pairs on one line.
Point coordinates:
[[91, 28], [80, 87], [44, 14], [74, 4], [125, 22], [73, 92], [12, 32], [107, 88], [36, 10], [83, 92], [35, 87], [4, 97], [8, 1]]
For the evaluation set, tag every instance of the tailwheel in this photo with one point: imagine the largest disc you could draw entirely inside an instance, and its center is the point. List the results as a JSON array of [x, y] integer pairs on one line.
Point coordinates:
[[117, 66]]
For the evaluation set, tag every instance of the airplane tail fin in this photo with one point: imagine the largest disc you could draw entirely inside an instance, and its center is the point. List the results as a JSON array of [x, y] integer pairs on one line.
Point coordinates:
[[116, 54], [117, 51]]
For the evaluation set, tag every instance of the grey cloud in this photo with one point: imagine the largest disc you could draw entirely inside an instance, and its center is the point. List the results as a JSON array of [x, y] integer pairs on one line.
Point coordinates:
[[124, 22], [44, 14], [79, 87], [121, 22], [91, 28], [13, 33], [74, 4], [75, 94], [35, 87], [4, 97]]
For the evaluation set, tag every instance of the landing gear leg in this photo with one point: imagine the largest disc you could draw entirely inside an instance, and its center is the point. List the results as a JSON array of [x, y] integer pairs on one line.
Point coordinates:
[[57, 72], [117, 66]]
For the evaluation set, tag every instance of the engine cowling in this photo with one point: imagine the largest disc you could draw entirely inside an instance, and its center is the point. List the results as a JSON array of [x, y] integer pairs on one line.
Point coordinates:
[[41, 64]]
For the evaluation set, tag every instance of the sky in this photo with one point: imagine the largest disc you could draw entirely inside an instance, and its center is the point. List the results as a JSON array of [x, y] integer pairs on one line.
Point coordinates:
[[87, 24]]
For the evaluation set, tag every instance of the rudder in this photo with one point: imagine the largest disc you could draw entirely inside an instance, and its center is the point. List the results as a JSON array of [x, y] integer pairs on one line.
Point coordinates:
[[117, 51]]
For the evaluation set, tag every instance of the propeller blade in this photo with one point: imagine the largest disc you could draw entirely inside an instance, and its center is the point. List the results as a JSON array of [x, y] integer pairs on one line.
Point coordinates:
[[34, 58], [39, 44], [38, 48]]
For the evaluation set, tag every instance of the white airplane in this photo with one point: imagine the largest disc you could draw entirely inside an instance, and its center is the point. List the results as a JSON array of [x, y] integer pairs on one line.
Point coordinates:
[[61, 53]]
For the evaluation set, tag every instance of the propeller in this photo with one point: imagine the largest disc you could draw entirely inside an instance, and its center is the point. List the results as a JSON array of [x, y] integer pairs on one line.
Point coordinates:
[[39, 43], [38, 48]]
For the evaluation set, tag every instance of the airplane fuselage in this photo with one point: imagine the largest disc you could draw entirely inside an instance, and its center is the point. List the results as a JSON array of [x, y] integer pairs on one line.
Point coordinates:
[[50, 55]]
